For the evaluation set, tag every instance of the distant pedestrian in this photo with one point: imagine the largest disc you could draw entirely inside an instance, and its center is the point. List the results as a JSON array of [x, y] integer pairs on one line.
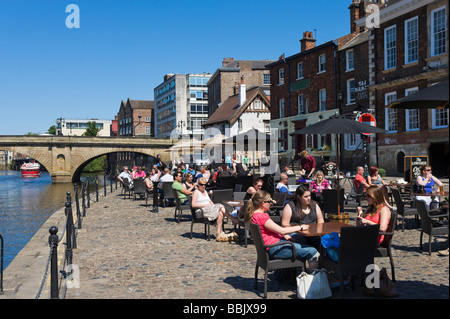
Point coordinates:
[[308, 163]]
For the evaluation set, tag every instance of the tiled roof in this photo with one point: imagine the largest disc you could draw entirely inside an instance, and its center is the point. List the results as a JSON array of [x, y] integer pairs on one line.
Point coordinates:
[[141, 104], [230, 111]]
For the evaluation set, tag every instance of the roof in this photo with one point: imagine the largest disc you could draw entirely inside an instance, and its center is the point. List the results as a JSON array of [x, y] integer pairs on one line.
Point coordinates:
[[141, 104], [230, 111], [358, 39], [235, 66]]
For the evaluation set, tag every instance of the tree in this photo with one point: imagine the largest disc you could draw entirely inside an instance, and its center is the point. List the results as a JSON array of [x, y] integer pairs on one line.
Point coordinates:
[[92, 129], [52, 130]]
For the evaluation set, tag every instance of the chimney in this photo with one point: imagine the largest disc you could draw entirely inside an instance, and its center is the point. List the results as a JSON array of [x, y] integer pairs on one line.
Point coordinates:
[[307, 42], [355, 14], [242, 92], [226, 61]]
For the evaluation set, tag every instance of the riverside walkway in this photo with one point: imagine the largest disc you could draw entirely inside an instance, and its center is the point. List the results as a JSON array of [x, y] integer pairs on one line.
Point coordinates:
[[127, 251]]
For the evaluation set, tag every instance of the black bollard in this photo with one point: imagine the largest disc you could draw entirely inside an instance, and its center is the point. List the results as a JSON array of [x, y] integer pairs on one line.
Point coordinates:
[[155, 197], [1, 265], [104, 184], [53, 242], [96, 188]]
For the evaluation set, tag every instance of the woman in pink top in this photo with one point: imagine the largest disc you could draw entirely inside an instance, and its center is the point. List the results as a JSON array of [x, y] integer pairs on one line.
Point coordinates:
[[257, 213], [376, 213]]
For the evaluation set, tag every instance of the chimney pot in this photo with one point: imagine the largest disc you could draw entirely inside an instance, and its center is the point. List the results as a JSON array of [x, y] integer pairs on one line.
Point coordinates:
[[307, 42]]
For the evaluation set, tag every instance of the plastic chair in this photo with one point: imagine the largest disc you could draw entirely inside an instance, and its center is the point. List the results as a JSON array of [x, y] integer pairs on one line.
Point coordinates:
[[330, 201], [168, 192], [384, 250], [356, 251], [198, 218], [429, 225], [401, 209], [179, 207], [126, 187], [239, 195], [263, 261], [139, 188]]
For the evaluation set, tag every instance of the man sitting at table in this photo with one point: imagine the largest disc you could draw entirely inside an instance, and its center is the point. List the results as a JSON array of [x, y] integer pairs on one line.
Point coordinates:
[[182, 192], [282, 187], [359, 178]]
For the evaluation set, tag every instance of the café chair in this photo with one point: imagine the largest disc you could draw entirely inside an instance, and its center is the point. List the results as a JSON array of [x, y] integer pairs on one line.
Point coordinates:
[[220, 195], [263, 261], [227, 182], [356, 251], [178, 206], [355, 193], [245, 225], [402, 210], [430, 224], [198, 218], [167, 191], [139, 188], [246, 181], [237, 188], [276, 210], [384, 250], [330, 201], [239, 195], [127, 187]]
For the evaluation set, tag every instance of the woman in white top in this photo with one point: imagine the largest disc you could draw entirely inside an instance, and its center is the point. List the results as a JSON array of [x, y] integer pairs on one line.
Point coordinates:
[[200, 199]]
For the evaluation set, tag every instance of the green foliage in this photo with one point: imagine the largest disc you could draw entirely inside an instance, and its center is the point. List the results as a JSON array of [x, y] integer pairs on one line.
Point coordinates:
[[92, 129], [52, 130], [382, 172], [96, 165]]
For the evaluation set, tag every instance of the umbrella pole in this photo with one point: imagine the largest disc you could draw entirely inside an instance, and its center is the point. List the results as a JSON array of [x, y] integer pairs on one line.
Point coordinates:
[[338, 175]]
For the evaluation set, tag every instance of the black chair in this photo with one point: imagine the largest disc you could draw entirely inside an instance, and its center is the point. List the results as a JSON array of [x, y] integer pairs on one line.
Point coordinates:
[[198, 218], [139, 188], [356, 251], [167, 191], [268, 264], [402, 210], [384, 250], [126, 187], [242, 223], [179, 207], [245, 181], [238, 195], [330, 201], [355, 193], [276, 210], [237, 187], [227, 182], [430, 223]]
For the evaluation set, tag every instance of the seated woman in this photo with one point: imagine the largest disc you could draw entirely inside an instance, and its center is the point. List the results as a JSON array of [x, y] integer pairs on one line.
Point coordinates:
[[300, 211], [257, 213], [148, 182], [428, 181], [200, 199], [257, 186], [188, 182], [376, 213], [374, 178], [318, 185]]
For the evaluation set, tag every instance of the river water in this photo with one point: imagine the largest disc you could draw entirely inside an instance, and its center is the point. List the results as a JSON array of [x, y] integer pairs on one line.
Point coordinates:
[[25, 204]]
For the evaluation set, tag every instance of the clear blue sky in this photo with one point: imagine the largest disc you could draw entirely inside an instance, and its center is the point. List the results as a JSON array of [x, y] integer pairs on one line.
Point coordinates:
[[124, 48]]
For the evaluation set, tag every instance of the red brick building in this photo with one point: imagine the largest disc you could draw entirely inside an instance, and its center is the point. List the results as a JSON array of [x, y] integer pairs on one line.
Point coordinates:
[[409, 52]]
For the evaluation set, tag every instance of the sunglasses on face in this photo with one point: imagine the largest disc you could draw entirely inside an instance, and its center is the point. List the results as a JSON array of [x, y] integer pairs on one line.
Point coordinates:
[[201, 184], [259, 186], [268, 201], [428, 170]]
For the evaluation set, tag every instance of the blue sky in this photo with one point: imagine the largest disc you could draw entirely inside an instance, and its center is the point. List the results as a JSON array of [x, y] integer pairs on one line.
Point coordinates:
[[124, 48]]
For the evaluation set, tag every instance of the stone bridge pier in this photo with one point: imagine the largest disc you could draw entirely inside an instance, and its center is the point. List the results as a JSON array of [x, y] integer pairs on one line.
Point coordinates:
[[64, 157]]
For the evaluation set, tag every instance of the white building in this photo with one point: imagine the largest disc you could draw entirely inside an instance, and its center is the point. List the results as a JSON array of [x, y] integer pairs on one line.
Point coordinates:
[[76, 127], [181, 104]]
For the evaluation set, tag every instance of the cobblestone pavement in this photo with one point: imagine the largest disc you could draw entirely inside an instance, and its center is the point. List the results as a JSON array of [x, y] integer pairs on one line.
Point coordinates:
[[126, 251]]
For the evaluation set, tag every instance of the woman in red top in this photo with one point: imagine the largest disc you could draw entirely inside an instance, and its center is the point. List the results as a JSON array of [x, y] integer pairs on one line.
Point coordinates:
[[256, 213], [376, 213]]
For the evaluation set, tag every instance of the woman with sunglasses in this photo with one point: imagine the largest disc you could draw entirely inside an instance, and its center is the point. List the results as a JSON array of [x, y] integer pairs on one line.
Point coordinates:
[[427, 180], [200, 199], [377, 212], [257, 213]]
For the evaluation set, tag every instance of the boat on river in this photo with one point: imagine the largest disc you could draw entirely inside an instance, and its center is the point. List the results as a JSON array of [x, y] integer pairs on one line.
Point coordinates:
[[32, 169]]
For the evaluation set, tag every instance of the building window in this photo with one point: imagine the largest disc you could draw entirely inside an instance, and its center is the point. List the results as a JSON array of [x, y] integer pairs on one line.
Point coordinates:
[[390, 113], [390, 47], [147, 119], [438, 31], [351, 91], [281, 76], [439, 118], [299, 70], [322, 63], [266, 79], [411, 40], [412, 116], [322, 100], [281, 107], [300, 104], [349, 60], [148, 129], [352, 142], [257, 104]]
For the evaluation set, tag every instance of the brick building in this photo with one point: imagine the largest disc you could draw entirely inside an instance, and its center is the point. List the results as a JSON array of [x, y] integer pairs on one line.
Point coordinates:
[[135, 117], [225, 80], [409, 52]]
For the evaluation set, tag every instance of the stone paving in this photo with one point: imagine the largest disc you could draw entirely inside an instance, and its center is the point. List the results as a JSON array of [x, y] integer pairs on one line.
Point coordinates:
[[126, 251]]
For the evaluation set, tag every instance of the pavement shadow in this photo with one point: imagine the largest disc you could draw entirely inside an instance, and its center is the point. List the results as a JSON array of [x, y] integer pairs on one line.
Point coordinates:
[[273, 285]]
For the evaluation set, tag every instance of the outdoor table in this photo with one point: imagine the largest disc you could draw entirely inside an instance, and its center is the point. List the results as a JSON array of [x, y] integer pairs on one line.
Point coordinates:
[[320, 229], [233, 203], [437, 194]]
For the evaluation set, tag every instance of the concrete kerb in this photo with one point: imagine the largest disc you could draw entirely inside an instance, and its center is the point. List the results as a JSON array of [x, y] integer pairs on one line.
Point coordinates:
[[23, 277]]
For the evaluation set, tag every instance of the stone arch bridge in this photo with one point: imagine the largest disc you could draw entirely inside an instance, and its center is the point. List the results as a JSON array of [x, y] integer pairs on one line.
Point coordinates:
[[65, 156]]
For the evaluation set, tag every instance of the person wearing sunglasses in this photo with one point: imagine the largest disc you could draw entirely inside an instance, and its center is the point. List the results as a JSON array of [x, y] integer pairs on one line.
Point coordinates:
[[428, 181], [200, 199], [257, 213]]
